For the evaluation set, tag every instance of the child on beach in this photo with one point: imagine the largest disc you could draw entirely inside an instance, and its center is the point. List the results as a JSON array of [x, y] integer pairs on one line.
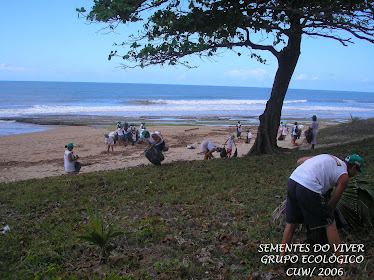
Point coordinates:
[[72, 166], [238, 130], [133, 137], [284, 131], [280, 131], [295, 134], [109, 139], [135, 131], [249, 137], [141, 129], [229, 143], [121, 136]]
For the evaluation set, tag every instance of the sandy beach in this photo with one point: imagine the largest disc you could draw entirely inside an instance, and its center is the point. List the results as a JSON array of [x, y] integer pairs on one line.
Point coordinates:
[[40, 154]]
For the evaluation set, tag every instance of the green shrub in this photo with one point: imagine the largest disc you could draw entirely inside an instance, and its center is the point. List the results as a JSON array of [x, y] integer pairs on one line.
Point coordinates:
[[101, 234]]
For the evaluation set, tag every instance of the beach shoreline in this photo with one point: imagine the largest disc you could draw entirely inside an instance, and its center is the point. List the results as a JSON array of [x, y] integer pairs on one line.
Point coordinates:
[[40, 154]]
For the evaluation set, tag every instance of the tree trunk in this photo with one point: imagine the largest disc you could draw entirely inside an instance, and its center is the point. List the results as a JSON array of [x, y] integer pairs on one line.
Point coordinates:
[[266, 141]]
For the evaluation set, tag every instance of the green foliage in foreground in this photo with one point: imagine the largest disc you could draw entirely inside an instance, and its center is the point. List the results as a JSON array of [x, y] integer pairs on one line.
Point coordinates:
[[186, 220], [101, 234]]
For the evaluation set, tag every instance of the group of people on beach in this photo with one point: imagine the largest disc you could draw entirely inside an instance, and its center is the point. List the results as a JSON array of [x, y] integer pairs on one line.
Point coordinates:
[[296, 132], [122, 136], [125, 133], [129, 133], [208, 148]]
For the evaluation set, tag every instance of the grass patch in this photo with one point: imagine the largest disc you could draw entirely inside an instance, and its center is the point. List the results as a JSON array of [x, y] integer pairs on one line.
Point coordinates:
[[353, 131], [186, 220]]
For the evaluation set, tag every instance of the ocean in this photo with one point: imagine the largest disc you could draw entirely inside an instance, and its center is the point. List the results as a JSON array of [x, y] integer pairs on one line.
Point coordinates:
[[167, 103]]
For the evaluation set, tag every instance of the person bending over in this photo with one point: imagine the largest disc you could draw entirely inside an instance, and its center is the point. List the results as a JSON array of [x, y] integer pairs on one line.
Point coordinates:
[[308, 193], [154, 140], [208, 148]]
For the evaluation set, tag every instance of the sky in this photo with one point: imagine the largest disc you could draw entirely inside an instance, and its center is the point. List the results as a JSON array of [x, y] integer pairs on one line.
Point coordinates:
[[47, 41]]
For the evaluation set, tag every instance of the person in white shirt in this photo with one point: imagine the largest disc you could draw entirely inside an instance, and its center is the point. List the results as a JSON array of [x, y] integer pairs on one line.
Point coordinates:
[[139, 132], [229, 143], [141, 129], [72, 166], [295, 133], [154, 140], [109, 140], [208, 148], [238, 130], [284, 131], [308, 193], [249, 136], [121, 135]]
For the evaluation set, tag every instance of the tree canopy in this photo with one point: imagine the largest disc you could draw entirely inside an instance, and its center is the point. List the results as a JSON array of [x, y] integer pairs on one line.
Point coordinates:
[[174, 30]]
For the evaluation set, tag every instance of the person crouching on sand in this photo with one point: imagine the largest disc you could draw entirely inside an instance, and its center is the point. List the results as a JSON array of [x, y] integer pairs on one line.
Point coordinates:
[[208, 148], [249, 137], [72, 166]]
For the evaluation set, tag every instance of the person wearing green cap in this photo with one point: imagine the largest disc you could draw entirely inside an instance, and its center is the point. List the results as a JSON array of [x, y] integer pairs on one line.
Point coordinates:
[[229, 143], [121, 135], [154, 139], [72, 166], [109, 140], [141, 137], [309, 190]]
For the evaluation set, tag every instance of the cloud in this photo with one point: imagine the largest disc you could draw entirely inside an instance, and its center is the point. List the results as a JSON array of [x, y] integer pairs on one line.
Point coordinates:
[[12, 68], [305, 77], [259, 74], [182, 77], [302, 77]]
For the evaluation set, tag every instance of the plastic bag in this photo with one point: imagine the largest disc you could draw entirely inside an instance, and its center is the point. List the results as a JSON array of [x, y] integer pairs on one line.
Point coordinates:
[[5, 229], [236, 153], [223, 153], [154, 155], [77, 166], [308, 136]]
